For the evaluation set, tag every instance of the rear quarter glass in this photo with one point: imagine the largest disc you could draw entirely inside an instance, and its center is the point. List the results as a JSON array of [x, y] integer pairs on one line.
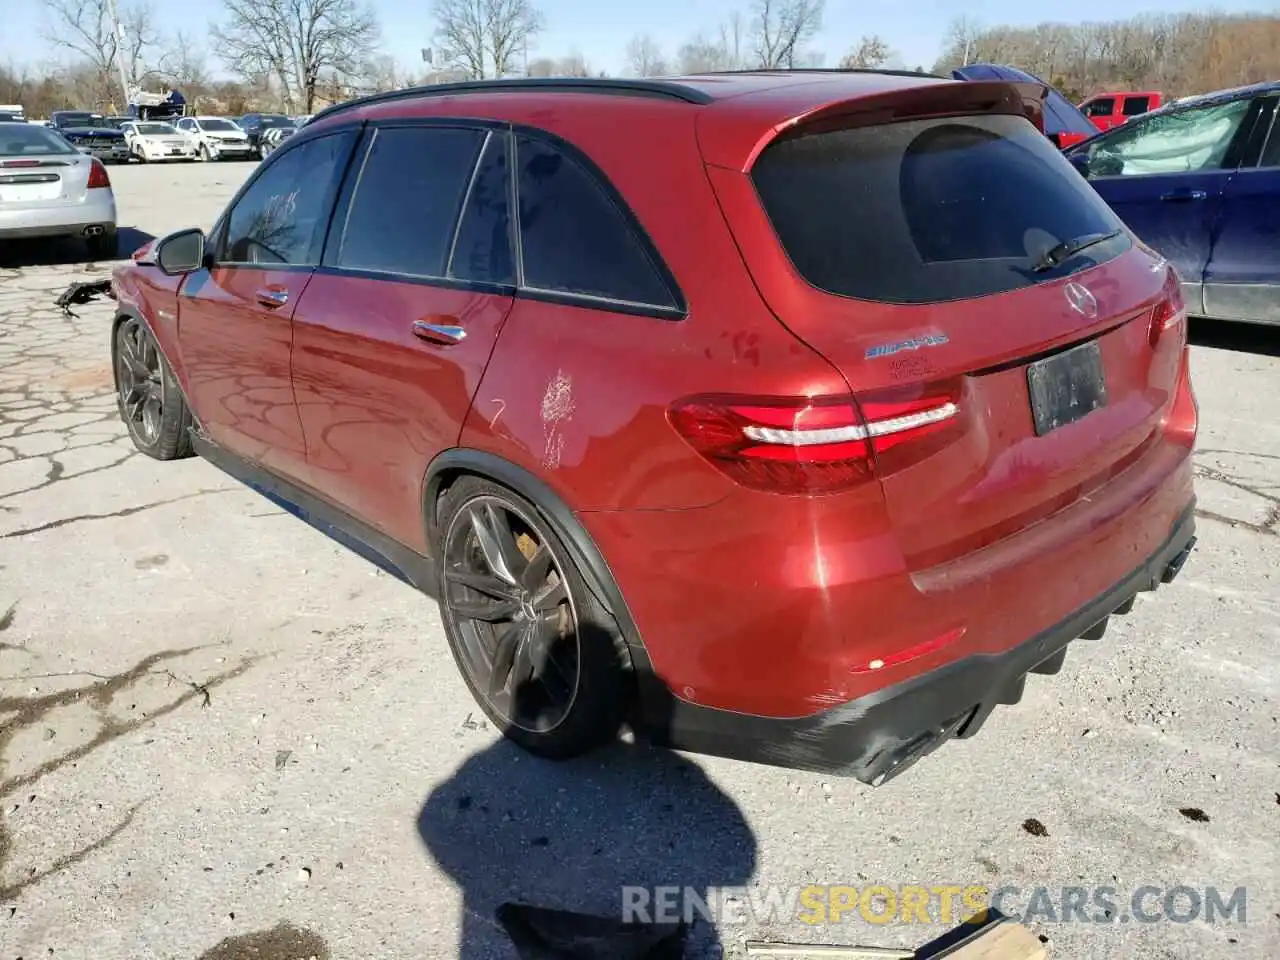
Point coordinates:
[[929, 211]]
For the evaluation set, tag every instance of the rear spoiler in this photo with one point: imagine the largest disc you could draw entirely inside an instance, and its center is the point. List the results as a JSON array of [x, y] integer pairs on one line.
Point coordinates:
[[737, 144]]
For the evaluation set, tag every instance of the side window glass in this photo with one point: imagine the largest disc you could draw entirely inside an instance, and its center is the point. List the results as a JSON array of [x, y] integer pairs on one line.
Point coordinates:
[[406, 202], [1099, 108], [1271, 151], [573, 238], [281, 217], [1184, 142], [1135, 106], [482, 250]]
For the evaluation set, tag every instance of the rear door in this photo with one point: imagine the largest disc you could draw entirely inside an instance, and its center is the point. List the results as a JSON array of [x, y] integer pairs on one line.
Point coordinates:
[[1165, 176], [235, 320], [923, 251], [394, 332], [1242, 277]]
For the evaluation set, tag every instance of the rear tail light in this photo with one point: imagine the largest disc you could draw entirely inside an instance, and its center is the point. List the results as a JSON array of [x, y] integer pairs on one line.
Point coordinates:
[[98, 175], [803, 445], [1170, 311]]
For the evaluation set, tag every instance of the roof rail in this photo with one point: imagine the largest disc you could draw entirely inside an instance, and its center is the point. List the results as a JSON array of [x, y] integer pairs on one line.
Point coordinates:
[[775, 70], [661, 89]]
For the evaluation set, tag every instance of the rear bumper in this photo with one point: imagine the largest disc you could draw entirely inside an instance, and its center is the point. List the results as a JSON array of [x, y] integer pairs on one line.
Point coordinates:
[[70, 220], [877, 736]]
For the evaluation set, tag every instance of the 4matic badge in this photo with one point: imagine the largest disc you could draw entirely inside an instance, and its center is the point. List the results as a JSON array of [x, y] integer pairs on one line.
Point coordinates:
[[915, 343]]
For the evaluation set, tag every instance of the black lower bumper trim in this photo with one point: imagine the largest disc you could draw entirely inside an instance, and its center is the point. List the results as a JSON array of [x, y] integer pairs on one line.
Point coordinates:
[[880, 735]]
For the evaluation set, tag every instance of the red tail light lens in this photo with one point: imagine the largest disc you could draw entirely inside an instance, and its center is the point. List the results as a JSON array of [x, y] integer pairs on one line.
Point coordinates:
[[98, 175], [1170, 311], [802, 445]]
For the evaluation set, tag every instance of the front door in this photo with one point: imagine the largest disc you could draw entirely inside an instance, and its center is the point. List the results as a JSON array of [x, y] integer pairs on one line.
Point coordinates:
[[1242, 278], [236, 318], [1165, 176], [394, 332]]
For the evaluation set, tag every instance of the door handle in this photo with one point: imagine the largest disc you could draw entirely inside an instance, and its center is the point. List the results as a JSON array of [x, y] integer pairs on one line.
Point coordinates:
[[1185, 195], [272, 298], [444, 334]]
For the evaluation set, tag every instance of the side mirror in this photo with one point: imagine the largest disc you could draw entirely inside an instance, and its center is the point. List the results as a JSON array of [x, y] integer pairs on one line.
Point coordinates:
[[1080, 160], [181, 252], [1055, 139]]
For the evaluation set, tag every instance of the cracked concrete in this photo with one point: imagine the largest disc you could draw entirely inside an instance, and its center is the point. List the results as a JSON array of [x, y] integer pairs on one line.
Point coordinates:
[[219, 731]]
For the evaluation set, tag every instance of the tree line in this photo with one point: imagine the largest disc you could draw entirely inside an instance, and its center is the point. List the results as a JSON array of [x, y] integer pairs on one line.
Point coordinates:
[[1178, 55], [297, 55]]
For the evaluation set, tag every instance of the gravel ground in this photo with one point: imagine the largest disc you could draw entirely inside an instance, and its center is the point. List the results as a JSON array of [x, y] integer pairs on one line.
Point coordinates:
[[223, 736]]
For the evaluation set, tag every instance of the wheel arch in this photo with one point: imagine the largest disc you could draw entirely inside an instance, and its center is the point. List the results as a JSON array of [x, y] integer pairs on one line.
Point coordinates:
[[454, 464], [127, 311]]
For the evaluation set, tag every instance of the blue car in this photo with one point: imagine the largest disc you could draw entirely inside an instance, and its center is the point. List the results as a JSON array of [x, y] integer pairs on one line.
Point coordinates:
[[1199, 181], [1064, 124]]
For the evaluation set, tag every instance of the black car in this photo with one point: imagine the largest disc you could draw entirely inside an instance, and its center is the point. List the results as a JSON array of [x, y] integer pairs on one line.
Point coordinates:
[[266, 130], [91, 133]]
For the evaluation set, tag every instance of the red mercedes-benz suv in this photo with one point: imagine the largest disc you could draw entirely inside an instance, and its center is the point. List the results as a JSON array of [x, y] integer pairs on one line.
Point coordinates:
[[788, 416]]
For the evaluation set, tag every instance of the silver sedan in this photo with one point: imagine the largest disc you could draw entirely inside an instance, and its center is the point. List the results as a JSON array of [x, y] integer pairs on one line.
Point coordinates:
[[48, 188]]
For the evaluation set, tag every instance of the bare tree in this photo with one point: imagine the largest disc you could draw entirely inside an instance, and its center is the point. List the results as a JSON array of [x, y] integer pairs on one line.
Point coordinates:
[[299, 43], [781, 28], [871, 53], [85, 28], [644, 57], [733, 41], [486, 38], [962, 33], [185, 64]]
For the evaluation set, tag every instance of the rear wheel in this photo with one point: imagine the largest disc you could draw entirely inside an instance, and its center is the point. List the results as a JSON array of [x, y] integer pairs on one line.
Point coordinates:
[[147, 394], [541, 656]]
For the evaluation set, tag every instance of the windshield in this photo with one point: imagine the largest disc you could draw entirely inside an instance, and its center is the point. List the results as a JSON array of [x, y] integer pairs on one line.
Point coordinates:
[[277, 122], [85, 120], [155, 129], [22, 139], [219, 126]]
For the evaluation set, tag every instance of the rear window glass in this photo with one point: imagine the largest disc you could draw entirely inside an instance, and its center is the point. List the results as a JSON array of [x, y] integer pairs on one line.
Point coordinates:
[[25, 140], [927, 211], [1135, 106]]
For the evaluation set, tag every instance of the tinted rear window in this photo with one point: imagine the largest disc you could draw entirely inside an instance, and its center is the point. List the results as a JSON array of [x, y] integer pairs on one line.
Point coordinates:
[[1135, 106], [24, 139], [927, 211]]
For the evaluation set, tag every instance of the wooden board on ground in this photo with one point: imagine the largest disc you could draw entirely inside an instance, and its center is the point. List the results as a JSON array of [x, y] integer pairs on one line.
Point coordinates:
[[999, 941]]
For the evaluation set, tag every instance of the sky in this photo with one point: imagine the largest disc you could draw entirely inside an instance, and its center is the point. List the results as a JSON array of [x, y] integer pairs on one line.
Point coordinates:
[[600, 29]]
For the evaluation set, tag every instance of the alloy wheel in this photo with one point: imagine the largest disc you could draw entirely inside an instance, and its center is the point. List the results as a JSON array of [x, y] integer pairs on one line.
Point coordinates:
[[513, 614], [139, 382]]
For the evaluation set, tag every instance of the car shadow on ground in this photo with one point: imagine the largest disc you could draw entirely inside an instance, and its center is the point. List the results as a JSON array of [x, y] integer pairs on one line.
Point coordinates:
[[1241, 337], [60, 253], [510, 828]]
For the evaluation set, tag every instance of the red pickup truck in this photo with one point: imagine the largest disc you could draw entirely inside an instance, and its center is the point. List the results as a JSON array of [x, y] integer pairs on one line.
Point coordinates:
[[1107, 110]]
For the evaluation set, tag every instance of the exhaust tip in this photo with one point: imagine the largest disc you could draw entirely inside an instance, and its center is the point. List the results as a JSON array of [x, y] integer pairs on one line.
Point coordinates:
[[94, 230]]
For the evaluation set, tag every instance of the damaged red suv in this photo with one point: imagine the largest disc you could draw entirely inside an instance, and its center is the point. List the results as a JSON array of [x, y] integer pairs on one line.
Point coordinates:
[[794, 417]]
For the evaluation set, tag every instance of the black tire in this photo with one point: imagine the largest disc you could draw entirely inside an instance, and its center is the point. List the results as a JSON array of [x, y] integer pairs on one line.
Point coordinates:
[[551, 632], [202, 153], [105, 246], [147, 394]]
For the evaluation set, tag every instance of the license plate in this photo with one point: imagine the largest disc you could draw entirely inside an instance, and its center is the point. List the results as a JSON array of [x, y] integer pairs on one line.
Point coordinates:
[[1066, 387]]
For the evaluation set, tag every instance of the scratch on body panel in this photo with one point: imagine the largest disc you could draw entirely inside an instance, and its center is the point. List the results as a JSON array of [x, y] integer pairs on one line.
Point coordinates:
[[557, 408]]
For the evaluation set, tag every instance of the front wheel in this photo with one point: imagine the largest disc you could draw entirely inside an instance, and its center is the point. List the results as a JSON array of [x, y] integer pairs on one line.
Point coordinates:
[[202, 153], [147, 394], [539, 653]]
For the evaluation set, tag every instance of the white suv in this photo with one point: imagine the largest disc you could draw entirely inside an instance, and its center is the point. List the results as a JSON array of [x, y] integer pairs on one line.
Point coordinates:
[[216, 138]]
